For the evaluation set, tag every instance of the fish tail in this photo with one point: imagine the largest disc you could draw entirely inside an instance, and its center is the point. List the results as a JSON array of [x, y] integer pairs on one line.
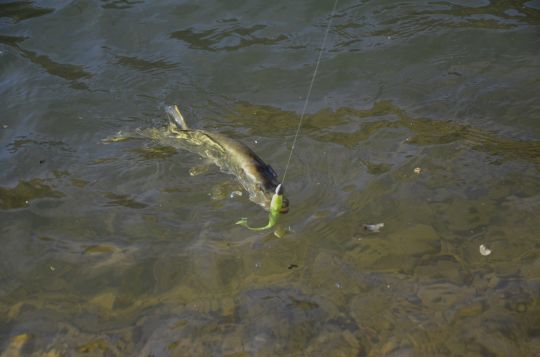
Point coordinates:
[[176, 117]]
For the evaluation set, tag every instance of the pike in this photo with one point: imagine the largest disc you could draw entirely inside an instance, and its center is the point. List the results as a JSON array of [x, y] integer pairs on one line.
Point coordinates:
[[231, 156]]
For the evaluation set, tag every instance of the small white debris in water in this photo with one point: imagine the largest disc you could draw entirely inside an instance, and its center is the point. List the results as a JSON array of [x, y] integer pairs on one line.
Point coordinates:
[[257, 265], [52, 268], [338, 285], [417, 170], [255, 141], [4, 126], [236, 193], [27, 202], [388, 286], [375, 228], [485, 251]]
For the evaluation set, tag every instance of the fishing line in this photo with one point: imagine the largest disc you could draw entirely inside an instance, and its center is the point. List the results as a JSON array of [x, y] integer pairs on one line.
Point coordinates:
[[309, 90]]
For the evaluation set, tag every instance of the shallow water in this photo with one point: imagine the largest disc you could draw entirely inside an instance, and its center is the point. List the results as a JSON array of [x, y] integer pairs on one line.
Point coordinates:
[[424, 116]]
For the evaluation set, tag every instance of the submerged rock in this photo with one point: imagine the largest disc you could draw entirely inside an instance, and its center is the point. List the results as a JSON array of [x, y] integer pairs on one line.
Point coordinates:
[[26, 191]]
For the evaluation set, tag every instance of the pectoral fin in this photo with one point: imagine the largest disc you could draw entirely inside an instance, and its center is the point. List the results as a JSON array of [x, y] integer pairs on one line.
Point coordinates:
[[118, 137]]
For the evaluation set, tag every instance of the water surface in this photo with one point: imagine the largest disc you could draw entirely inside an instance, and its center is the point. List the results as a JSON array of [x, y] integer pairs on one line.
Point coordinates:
[[424, 116]]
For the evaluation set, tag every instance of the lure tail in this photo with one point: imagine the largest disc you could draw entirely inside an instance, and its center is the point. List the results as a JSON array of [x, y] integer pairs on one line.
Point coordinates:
[[273, 216], [243, 222]]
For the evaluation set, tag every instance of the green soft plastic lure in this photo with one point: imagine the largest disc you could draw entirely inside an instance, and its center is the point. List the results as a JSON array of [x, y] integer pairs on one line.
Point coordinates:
[[275, 208]]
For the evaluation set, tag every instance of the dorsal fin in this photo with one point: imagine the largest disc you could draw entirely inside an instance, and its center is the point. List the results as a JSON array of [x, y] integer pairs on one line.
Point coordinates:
[[176, 117], [210, 139]]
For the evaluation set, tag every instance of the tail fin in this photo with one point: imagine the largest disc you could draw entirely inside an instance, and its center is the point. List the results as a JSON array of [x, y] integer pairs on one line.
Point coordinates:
[[176, 116]]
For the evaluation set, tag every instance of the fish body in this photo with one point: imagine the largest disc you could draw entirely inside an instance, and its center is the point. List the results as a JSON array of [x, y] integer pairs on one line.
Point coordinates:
[[231, 156]]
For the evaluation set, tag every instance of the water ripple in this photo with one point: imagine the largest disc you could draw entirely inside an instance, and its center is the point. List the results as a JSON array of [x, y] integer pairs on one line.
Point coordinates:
[[70, 72], [156, 66], [232, 38], [22, 10], [367, 26], [120, 4], [434, 132]]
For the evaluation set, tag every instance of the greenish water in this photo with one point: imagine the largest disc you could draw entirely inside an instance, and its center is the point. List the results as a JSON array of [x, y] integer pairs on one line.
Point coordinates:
[[424, 116]]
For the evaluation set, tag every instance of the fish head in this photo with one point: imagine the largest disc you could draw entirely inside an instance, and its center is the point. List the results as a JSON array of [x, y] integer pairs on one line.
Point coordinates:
[[263, 185], [263, 193], [258, 179]]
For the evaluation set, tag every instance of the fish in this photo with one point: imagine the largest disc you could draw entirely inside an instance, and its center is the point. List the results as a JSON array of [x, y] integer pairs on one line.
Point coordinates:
[[231, 156]]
